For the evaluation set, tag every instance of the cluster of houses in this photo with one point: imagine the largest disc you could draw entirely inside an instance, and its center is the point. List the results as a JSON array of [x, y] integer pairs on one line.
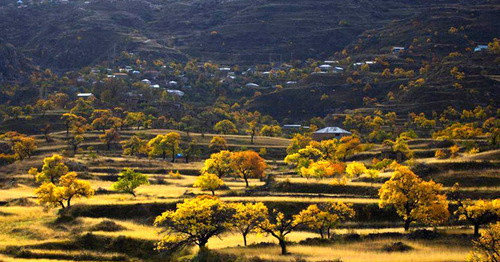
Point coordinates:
[[25, 3]]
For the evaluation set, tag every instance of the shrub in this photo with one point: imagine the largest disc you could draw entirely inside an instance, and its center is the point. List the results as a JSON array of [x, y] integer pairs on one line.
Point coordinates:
[[397, 247], [440, 154], [107, 226], [6, 159]]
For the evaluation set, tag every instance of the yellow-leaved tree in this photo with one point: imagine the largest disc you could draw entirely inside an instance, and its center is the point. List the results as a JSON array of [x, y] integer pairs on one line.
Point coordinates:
[[68, 188], [278, 225], [479, 212], [349, 145], [298, 142], [324, 169], [304, 157], [415, 200], [53, 168], [208, 181], [163, 145], [220, 164], [134, 146], [248, 164], [248, 217], [194, 221], [218, 144], [487, 247], [325, 216]]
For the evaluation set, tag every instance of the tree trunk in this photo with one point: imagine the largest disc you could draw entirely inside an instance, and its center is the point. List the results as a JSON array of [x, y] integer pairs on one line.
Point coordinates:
[[245, 239], [282, 243], [213, 192], [407, 224], [476, 230], [67, 131], [246, 180], [202, 244], [68, 205], [251, 139], [109, 146]]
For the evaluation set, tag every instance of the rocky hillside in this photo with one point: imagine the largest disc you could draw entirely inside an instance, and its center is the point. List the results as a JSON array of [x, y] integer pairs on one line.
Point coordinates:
[[79, 33]]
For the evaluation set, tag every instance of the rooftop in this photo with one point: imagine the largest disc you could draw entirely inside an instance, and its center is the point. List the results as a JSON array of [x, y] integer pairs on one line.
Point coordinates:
[[332, 130]]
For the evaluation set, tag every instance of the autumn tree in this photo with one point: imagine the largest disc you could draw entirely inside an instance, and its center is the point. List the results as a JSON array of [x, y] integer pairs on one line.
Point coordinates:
[[217, 144], [129, 180], [270, 130], [67, 188], [162, 145], [134, 146], [52, 169], [248, 217], [486, 248], [208, 181], [348, 146], [324, 217], [248, 164], [71, 120], [479, 212], [400, 147], [103, 119], [226, 127], [82, 107], [109, 137], [220, 164], [304, 157], [135, 119], [324, 169], [75, 142], [23, 147], [190, 149], [42, 106], [252, 130], [355, 169], [414, 199], [279, 226], [194, 221], [298, 142]]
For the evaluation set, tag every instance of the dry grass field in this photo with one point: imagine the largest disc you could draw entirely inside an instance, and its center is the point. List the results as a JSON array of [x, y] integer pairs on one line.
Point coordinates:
[[29, 232]]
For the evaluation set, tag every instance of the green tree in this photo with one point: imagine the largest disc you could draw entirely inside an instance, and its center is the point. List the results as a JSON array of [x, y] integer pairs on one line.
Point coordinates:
[[129, 180]]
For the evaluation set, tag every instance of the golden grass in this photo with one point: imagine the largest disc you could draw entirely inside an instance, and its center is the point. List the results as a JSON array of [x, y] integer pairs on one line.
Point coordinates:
[[26, 225], [357, 252], [299, 199]]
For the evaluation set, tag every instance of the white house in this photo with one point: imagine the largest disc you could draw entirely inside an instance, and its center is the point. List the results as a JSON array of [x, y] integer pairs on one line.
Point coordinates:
[[481, 48], [329, 133], [84, 95], [325, 67], [338, 69], [175, 92], [155, 86], [252, 85], [146, 81], [173, 83]]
